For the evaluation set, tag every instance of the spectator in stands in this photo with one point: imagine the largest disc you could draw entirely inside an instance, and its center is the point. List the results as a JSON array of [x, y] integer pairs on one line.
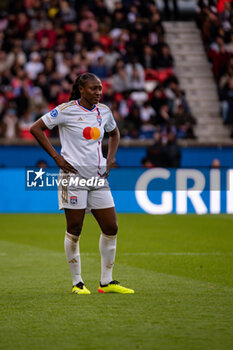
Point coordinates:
[[46, 37], [88, 24], [171, 149], [62, 65], [219, 60], [118, 19], [20, 81], [228, 75], [158, 98], [217, 44], [101, 11], [184, 123], [126, 104], [135, 75], [209, 25], [147, 113], [41, 164], [93, 54], [230, 44], [78, 43], [120, 78], [43, 83], [67, 13], [22, 23], [216, 164], [176, 97], [25, 123], [111, 57], [164, 59], [4, 63], [29, 41], [133, 123], [3, 105], [6, 84], [146, 163], [156, 154], [167, 9], [100, 68], [64, 93], [34, 66], [227, 102], [148, 58], [22, 100], [133, 14], [223, 91], [17, 57], [9, 127], [121, 124]]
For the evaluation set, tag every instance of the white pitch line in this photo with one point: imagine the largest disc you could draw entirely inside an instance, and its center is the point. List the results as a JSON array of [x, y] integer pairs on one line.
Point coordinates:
[[155, 254], [171, 253]]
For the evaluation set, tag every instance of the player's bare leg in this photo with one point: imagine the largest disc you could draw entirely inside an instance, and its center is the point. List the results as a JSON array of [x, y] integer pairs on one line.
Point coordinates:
[[107, 221], [74, 218]]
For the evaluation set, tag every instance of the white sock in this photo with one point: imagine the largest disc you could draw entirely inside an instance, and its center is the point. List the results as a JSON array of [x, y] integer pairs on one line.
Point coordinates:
[[107, 246], [71, 244]]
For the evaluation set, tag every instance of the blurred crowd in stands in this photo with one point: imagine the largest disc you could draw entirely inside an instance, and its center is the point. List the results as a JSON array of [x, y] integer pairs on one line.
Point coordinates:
[[215, 19], [45, 44]]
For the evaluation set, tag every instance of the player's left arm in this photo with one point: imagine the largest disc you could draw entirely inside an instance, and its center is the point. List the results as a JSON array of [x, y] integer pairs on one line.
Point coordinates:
[[113, 142]]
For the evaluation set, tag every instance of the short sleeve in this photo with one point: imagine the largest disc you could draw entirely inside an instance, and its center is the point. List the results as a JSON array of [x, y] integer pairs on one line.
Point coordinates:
[[53, 118], [111, 124]]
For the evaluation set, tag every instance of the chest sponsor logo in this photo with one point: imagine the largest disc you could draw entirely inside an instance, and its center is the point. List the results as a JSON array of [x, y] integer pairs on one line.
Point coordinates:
[[91, 133]]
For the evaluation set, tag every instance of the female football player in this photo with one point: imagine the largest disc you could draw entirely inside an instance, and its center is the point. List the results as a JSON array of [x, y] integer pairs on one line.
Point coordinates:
[[82, 123]]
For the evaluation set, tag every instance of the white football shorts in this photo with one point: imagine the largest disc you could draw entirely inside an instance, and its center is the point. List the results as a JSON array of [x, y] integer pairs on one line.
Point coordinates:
[[87, 197]]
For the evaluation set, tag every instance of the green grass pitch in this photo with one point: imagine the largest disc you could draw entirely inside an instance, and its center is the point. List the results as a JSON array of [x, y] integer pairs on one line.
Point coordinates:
[[181, 268]]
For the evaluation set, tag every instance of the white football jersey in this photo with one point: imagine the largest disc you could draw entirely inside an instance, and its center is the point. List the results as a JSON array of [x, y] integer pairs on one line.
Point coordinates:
[[81, 133]]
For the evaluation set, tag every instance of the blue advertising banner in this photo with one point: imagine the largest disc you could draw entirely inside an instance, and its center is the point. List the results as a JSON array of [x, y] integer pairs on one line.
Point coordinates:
[[135, 190]]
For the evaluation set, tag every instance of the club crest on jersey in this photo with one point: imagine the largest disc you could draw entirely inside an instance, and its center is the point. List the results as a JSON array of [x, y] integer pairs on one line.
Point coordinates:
[[54, 113], [73, 200], [99, 119]]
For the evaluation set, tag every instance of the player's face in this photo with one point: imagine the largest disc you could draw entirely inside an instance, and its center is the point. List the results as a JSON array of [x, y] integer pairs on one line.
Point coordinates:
[[92, 91]]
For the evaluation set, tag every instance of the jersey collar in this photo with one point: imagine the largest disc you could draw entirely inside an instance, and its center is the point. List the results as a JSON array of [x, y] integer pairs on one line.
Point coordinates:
[[85, 109]]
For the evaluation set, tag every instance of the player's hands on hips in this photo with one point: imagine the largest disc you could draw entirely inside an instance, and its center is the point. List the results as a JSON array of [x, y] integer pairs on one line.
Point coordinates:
[[109, 165], [64, 165]]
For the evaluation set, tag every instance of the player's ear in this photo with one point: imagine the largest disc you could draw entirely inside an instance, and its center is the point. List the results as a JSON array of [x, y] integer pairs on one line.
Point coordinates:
[[81, 89]]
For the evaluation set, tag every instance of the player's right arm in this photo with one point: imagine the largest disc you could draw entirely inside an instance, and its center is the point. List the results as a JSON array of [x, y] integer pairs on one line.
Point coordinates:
[[37, 130]]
